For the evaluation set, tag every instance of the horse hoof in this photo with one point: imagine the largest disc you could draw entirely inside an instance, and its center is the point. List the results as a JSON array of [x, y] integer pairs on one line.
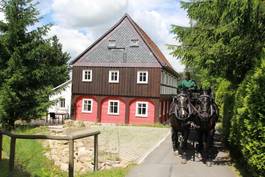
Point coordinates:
[[176, 153], [183, 161], [209, 163]]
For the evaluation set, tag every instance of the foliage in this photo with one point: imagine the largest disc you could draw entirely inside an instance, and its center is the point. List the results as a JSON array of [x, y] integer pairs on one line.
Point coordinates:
[[30, 63], [226, 38], [221, 90], [224, 98], [248, 124], [224, 49]]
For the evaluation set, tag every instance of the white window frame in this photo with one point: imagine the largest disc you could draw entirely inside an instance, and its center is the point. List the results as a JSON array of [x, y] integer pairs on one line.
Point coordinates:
[[83, 75], [138, 77], [60, 105], [137, 106], [118, 76], [83, 103], [110, 113]]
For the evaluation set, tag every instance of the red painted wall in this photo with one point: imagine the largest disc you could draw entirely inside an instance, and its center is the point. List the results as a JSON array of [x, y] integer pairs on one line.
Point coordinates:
[[84, 115], [108, 118], [150, 119]]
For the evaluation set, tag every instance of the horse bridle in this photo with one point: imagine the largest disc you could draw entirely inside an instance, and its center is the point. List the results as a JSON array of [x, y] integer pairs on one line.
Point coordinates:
[[189, 104], [211, 107]]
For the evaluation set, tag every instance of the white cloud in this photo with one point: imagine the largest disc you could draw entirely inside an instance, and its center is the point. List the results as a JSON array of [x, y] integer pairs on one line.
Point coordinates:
[[93, 18], [73, 41], [80, 13], [157, 24]]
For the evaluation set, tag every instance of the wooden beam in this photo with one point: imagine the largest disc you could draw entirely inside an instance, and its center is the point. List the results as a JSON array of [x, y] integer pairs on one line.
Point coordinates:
[[157, 107], [12, 156], [127, 111], [162, 112], [71, 159], [99, 102], [52, 137], [95, 152]]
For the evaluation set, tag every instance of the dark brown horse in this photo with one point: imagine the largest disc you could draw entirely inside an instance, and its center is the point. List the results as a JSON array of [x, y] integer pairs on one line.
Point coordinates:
[[207, 115], [181, 118]]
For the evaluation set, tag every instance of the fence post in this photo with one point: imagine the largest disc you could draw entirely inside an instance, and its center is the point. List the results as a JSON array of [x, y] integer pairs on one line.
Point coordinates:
[[12, 155], [71, 158], [1, 145], [96, 152]]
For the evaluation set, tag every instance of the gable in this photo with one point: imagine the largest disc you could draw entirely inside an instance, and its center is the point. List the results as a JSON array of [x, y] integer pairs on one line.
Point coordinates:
[[123, 55]]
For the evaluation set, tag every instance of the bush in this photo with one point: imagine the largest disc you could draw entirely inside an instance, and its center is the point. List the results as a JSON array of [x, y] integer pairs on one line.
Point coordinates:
[[224, 97], [248, 124]]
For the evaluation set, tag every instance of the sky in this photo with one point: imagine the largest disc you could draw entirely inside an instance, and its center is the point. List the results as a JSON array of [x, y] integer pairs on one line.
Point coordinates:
[[78, 23]]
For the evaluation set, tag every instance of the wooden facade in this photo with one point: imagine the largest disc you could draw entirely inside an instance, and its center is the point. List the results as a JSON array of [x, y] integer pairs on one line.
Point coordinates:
[[127, 85], [133, 102]]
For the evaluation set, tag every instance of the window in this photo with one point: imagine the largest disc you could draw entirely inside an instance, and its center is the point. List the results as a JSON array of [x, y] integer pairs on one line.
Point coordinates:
[[134, 43], [62, 103], [112, 44], [113, 107], [87, 105], [114, 76], [87, 76], [141, 109], [142, 77]]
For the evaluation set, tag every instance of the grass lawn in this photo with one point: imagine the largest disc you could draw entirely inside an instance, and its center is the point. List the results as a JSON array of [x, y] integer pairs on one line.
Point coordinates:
[[31, 162], [116, 172]]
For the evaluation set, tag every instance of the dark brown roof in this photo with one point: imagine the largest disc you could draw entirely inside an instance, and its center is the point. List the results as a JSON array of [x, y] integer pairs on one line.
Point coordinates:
[[151, 45]]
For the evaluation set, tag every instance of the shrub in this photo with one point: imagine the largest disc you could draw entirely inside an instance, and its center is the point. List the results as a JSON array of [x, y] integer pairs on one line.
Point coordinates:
[[224, 97], [248, 123]]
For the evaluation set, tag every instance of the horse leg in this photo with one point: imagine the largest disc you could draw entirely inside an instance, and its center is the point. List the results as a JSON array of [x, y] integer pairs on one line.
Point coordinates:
[[199, 146], [204, 147], [174, 138], [210, 137], [185, 134]]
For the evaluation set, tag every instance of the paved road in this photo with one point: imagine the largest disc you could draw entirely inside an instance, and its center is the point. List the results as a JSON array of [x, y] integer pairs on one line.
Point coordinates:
[[162, 163]]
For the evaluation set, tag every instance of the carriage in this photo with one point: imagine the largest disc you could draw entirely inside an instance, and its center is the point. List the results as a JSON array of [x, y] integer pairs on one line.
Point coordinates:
[[193, 111]]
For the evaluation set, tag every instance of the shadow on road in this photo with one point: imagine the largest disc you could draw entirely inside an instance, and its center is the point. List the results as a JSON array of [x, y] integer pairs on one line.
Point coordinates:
[[218, 152]]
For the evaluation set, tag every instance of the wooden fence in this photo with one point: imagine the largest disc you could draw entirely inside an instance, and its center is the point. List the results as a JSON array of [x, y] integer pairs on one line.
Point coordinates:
[[70, 138]]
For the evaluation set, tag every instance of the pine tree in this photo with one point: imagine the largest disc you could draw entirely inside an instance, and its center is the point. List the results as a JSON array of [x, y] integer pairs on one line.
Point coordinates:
[[30, 64], [226, 38]]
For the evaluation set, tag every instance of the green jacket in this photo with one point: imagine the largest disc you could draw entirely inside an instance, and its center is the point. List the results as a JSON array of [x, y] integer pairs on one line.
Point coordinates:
[[187, 84]]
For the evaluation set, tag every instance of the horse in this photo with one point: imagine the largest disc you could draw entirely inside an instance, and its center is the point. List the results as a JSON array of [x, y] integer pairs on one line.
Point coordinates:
[[207, 115], [181, 115]]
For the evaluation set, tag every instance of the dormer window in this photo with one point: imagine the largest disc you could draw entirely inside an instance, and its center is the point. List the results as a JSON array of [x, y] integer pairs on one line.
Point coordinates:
[[112, 44], [134, 43]]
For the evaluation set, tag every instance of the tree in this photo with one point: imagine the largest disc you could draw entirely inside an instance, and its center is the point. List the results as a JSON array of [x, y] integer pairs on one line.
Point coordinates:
[[30, 64], [226, 39], [225, 46]]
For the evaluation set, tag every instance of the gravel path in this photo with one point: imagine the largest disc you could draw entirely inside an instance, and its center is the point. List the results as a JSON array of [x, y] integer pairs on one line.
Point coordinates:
[[130, 142], [162, 163]]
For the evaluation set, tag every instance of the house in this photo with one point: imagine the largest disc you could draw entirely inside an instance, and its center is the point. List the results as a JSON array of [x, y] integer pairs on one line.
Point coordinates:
[[122, 78], [61, 99]]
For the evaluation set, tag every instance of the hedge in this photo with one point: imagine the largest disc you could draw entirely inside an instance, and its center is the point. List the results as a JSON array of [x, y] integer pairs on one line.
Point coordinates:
[[247, 132]]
